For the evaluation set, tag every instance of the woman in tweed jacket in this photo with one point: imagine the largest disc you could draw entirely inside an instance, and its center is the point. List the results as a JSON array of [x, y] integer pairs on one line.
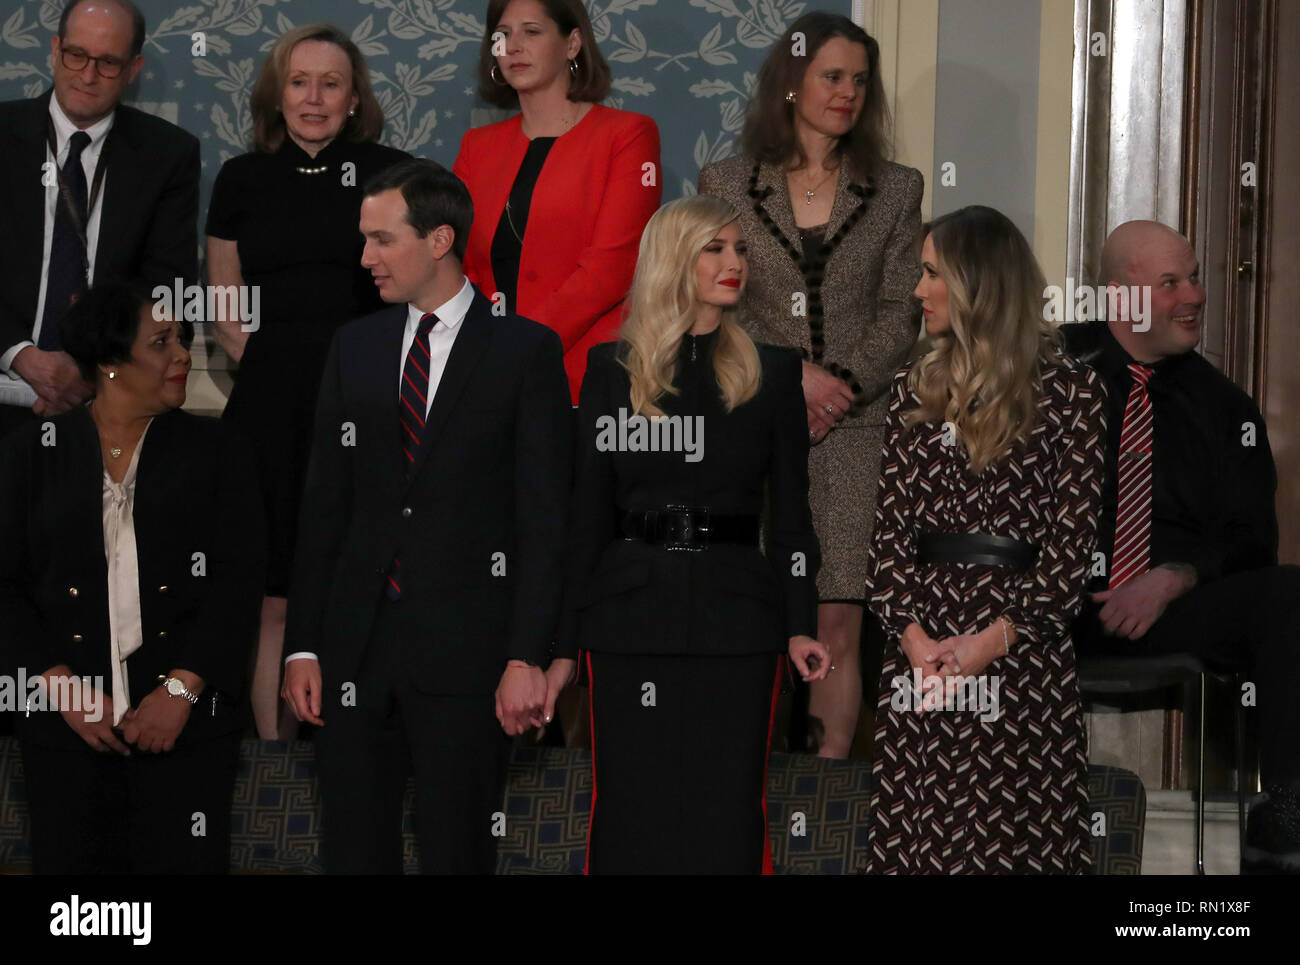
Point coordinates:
[[831, 274]]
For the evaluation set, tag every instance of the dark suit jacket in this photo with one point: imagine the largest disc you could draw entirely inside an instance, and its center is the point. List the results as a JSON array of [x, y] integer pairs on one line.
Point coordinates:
[[196, 492], [628, 596], [491, 477], [147, 225]]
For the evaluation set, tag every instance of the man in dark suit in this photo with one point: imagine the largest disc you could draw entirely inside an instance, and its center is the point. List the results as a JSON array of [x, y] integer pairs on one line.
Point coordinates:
[[1188, 528], [77, 168], [427, 584]]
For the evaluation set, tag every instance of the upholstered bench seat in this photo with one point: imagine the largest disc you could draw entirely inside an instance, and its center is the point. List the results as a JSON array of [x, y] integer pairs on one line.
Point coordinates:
[[276, 818]]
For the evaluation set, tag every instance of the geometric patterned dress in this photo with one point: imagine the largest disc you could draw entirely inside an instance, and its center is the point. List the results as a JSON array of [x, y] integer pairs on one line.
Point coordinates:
[[957, 792]]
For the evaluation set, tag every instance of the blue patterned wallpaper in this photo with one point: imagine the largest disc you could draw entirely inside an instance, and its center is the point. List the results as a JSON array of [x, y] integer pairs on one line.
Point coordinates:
[[690, 64]]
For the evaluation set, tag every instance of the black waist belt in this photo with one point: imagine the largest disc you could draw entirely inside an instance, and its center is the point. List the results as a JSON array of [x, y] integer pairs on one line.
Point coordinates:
[[978, 548], [687, 527]]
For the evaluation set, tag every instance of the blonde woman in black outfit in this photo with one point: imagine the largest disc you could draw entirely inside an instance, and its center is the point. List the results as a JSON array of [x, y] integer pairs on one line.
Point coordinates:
[[684, 622]]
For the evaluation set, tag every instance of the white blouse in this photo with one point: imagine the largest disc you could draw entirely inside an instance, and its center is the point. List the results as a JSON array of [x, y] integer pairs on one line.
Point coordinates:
[[124, 622]]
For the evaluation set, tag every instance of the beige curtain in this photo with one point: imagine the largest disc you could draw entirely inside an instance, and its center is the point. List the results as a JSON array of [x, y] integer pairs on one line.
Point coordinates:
[[1126, 141]]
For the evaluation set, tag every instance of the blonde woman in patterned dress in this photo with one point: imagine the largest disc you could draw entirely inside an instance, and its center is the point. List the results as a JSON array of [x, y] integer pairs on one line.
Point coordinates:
[[986, 518]]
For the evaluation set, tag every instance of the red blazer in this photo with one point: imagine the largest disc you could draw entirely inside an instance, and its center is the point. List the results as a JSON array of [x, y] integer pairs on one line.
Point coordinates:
[[591, 203]]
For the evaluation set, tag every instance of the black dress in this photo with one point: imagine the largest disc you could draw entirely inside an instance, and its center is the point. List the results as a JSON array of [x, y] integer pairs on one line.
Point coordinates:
[[680, 766], [1002, 789], [299, 243]]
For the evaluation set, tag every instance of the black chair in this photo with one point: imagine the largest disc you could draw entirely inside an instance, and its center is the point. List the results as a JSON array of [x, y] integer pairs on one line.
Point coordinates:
[[1120, 675]]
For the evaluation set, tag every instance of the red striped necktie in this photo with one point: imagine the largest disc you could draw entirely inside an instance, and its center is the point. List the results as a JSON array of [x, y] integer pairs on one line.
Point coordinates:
[[1132, 546], [412, 406]]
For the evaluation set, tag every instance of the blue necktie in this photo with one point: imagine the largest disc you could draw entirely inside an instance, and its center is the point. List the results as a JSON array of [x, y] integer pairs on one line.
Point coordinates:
[[66, 278]]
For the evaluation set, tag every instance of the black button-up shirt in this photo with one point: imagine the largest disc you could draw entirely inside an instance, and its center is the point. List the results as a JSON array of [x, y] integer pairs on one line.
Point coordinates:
[[1212, 496]]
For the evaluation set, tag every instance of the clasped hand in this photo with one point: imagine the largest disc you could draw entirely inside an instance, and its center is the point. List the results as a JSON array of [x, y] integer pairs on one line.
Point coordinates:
[[157, 722], [152, 727], [823, 391], [55, 379], [525, 696], [966, 654]]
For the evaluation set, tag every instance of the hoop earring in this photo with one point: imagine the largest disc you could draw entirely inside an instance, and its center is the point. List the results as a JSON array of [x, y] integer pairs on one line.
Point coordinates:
[[493, 74], [573, 69]]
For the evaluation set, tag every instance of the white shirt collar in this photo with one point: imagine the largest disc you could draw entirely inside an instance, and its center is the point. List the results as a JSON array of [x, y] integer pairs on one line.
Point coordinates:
[[64, 128], [450, 313]]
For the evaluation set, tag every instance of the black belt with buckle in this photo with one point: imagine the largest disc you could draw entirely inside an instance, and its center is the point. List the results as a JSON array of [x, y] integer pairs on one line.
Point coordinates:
[[981, 549], [691, 528]]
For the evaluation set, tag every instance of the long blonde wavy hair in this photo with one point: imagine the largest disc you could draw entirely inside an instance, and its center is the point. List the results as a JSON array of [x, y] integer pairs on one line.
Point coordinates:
[[985, 375], [663, 302]]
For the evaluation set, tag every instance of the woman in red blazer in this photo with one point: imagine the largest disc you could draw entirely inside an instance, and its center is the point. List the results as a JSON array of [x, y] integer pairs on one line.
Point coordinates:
[[562, 190]]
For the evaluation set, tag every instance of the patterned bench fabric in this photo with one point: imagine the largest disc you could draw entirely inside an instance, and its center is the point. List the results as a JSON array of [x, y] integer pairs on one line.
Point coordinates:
[[15, 852], [817, 813], [275, 822], [1119, 807]]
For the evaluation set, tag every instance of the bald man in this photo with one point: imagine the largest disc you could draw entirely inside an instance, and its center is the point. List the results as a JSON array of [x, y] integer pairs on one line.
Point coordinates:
[[1188, 533], [77, 167]]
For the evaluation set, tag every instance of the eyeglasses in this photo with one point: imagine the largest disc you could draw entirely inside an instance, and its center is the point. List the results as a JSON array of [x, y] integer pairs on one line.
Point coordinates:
[[76, 60]]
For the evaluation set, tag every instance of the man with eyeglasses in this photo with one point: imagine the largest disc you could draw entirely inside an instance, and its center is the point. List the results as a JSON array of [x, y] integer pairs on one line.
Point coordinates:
[[90, 191]]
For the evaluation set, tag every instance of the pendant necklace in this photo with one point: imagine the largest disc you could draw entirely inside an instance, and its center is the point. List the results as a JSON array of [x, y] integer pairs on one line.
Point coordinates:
[[810, 194]]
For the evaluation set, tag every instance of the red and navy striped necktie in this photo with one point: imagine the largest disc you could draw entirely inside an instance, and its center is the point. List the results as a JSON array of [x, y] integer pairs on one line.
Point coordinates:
[[412, 410], [1131, 556]]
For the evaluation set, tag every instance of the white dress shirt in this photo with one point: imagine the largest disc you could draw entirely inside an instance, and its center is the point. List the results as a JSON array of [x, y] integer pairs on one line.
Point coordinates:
[[441, 338], [63, 131]]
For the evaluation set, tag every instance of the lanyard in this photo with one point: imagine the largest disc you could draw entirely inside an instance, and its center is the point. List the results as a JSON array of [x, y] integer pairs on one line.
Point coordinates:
[[66, 193]]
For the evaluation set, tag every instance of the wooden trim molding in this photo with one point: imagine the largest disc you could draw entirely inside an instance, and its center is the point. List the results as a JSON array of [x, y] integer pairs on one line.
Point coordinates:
[[1264, 196]]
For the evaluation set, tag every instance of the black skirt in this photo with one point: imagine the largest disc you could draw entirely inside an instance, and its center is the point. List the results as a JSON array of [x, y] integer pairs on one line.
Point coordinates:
[[679, 754]]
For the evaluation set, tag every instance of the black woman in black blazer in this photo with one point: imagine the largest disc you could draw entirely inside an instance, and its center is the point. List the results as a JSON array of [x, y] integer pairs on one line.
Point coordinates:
[[199, 539], [682, 617]]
